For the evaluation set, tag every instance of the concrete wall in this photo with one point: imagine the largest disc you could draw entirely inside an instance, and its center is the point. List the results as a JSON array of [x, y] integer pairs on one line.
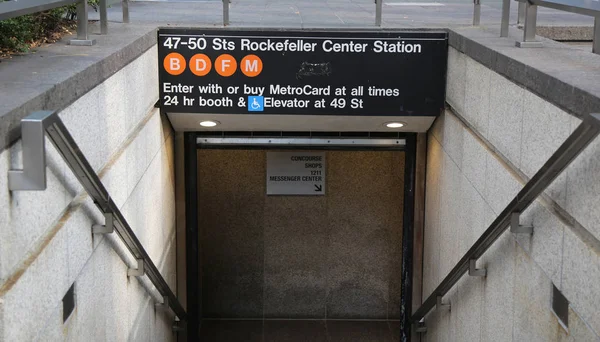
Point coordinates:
[[332, 256], [46, 238], [496, 135]]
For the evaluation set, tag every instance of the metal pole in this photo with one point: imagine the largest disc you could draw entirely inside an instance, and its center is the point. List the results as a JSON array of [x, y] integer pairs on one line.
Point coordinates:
[[103, 17], [410, 162], [529, 28], [476, 12], [521, 13], [82, 26], [225, 12], [378, 8], [530, 22], [192, 239], [125, 6], [82, 20], [505, 18], [596, 37]]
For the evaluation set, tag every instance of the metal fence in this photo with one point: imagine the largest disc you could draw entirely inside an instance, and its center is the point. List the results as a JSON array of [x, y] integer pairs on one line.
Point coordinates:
[[528, 14], [12, 9]]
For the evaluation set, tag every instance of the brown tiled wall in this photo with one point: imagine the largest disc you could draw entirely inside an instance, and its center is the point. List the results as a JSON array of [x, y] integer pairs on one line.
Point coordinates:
[[332, 256]]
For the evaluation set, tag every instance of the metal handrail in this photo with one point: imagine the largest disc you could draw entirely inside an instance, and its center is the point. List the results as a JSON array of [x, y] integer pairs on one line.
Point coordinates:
[[564, 155], [12, 9], [378, 12], [528, 14], [33, 177], [476, 12]]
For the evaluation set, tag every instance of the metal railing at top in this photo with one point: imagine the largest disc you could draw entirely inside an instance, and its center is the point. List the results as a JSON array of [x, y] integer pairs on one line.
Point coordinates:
[[13, 8], [509, 217], [103, 9], [378, 12], [528, 15], [33, 177]]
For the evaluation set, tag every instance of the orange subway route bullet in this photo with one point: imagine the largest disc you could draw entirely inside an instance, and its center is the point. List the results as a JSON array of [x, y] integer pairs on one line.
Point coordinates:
[[251, 65], [200, 64], [174, 63], [225, 65]]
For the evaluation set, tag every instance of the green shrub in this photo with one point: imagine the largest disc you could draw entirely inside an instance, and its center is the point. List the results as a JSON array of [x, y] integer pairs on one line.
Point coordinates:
[[18, 34]]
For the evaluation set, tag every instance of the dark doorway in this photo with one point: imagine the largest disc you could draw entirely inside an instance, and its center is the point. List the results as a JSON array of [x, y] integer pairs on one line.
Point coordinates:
[[280, 267]]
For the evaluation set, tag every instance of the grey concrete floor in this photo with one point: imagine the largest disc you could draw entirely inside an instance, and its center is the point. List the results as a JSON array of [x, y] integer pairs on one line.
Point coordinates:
[[299, 331], [585, 46]]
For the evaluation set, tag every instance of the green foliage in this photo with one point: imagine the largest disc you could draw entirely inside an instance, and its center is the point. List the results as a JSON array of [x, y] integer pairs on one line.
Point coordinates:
[[17, 34], [71, 10]]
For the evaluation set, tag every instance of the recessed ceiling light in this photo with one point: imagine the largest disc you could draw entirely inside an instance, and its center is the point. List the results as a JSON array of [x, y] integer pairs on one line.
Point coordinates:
[[209, 123], [396, 124]]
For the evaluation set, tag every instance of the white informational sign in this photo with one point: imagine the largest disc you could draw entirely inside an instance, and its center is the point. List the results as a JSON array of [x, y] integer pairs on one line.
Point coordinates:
[[296, 173]]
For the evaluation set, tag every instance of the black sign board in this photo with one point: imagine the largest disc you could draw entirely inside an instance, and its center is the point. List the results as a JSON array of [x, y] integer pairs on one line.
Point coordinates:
[[364, 73]]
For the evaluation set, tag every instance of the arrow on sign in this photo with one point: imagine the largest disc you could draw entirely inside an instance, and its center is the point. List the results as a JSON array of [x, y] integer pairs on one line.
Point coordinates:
[[318, 188]]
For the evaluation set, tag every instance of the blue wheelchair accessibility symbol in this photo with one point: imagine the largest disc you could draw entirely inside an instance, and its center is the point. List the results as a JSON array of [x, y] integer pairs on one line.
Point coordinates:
[[256, 103]]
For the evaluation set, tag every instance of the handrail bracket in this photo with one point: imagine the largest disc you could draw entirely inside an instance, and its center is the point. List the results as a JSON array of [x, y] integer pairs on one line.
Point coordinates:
[[33, 142], [178, 325], [137, 272], [516, 227], [441, 305], [420, 327], [474, 271], [108, 226], [164, 304]]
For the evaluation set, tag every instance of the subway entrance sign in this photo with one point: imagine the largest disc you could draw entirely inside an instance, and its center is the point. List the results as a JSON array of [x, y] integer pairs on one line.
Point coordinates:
[[360, 73]]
